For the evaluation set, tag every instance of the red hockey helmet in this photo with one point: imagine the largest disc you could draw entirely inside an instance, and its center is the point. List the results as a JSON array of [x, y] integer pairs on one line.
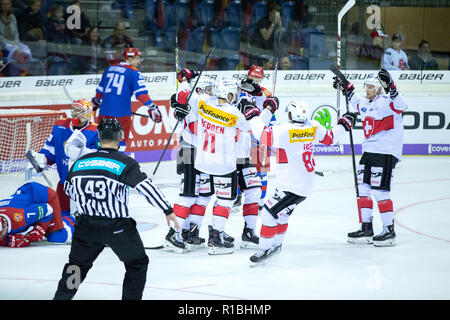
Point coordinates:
[[130, 53], [256, 72]]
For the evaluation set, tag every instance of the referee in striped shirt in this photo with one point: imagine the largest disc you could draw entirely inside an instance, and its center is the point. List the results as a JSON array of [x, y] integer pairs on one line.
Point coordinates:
[[99, 183]]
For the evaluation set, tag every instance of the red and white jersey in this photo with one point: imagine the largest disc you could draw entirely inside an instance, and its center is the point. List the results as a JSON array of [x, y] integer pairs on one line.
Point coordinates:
[[186, 135], [382, 123], [259, 100], [216, 127], [295, 152], [395, 60]]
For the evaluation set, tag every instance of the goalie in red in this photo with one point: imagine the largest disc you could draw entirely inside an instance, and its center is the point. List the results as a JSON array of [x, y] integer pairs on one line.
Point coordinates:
[[70, 139]]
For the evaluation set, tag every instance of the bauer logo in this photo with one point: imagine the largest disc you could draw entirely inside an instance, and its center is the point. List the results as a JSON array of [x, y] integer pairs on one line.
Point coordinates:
[[326, 115], [439, 149], [216, 115], [302, 135]]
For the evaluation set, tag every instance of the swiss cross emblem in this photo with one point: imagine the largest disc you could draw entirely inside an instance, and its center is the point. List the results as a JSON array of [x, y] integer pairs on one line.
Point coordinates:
[[368, 126]]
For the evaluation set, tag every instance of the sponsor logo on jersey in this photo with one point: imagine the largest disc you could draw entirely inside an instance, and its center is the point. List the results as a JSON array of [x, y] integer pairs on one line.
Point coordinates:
[[110, 165], [17, 217], [302, 135], [218, 116]]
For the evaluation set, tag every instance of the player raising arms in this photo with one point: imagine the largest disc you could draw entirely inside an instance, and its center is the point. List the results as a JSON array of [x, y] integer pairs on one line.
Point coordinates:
[[118, 84], [70, 138], [382, 125], [259, 155], [294, 141]]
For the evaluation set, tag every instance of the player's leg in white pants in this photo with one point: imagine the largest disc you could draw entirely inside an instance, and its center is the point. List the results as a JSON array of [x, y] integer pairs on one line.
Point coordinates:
[[365, 203], [385, 206], [250, 208]]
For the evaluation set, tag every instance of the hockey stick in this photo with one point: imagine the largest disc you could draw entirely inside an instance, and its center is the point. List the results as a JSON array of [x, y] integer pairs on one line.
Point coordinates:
[[36, 166], [178, 121], [341, 76], [341, 14]]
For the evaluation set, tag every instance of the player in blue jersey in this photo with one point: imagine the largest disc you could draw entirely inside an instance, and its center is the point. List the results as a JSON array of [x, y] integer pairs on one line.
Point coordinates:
[[114, 92], [70, 138], [31, 213]]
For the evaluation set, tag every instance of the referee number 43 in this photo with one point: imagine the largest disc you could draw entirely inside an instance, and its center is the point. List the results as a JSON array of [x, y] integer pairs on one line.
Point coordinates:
[[96, 189]]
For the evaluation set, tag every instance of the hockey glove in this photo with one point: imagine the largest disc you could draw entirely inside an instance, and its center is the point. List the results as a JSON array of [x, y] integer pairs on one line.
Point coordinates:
[[96, 103], [181, 111], [339, 84], [37, 234], [248, 109], [251, 87], [348, 120], [271, 103], [173, 101], [387, 83], [188, 74], [75, 144], [154, 113], [18, 241], [29, 169]]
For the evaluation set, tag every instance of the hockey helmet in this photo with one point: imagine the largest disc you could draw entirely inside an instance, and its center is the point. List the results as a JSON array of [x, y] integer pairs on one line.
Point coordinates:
[[131, 53], [110, 129], [206, 84], [82, 111], [374, 81], [256, 72], [297, 110], [226, 86]]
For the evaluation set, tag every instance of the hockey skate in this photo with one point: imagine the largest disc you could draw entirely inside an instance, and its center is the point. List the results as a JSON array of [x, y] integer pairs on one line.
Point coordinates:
[[174, 241], [386, 238], [225, 236], [275, 250], [364, 235], [249, 239], [194, 241], [217, 244], [259, 258]]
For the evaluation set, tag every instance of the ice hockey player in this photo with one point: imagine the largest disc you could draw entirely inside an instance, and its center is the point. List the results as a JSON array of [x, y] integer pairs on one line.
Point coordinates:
[[260, 156], [382, 147], [70, 137], [187, 207], [117, 86], [215, 123], [32, 213], [295, 142], [249, 182]]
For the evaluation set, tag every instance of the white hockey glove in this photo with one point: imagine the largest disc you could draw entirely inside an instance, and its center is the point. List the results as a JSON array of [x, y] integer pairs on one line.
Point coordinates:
[[75, 146], [30, 172]]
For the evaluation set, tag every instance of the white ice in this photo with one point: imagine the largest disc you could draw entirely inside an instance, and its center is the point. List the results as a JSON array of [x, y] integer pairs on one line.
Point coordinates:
[[316, 261]]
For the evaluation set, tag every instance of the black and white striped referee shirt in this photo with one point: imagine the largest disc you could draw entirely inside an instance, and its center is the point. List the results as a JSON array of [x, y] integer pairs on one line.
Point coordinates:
[[99, 184]]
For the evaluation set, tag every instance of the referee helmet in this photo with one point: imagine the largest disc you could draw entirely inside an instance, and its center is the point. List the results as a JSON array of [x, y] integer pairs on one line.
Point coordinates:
[[110, 129]]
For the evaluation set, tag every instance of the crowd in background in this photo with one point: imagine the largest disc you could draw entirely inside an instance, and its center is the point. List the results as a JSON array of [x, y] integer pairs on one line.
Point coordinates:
[[35, 39]]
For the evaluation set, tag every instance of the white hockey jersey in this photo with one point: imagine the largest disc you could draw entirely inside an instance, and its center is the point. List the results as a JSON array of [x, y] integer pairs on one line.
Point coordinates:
[[382, 123], [395, 60], [216, 128], [295, 152]]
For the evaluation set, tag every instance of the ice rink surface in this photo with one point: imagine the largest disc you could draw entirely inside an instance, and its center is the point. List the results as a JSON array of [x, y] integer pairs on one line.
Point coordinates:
[[316, 261]]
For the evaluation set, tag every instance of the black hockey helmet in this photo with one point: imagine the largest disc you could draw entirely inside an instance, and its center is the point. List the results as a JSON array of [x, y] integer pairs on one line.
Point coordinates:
[[110, 129]]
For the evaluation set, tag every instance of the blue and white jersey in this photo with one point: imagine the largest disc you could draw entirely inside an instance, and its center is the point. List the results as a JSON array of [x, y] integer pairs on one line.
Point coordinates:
[[116, 88]]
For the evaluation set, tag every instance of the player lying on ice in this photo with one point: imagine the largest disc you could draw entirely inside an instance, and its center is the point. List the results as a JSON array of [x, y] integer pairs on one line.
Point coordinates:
[[32, 213]]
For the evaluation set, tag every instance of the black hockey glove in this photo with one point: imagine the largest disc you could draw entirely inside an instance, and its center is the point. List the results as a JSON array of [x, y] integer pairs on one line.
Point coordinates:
[[248, 109], [348, 120], [339, 84], [251, 87], [387, 83], [181, 111], [271, 103]]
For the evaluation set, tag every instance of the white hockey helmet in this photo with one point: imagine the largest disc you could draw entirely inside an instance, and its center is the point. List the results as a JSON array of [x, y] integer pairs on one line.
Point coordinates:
[[226, 86], [297, 110], [205, 83], [373, 80]]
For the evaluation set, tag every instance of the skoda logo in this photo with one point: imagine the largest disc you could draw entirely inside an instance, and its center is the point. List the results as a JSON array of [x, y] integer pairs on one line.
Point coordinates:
[[326, 115]]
